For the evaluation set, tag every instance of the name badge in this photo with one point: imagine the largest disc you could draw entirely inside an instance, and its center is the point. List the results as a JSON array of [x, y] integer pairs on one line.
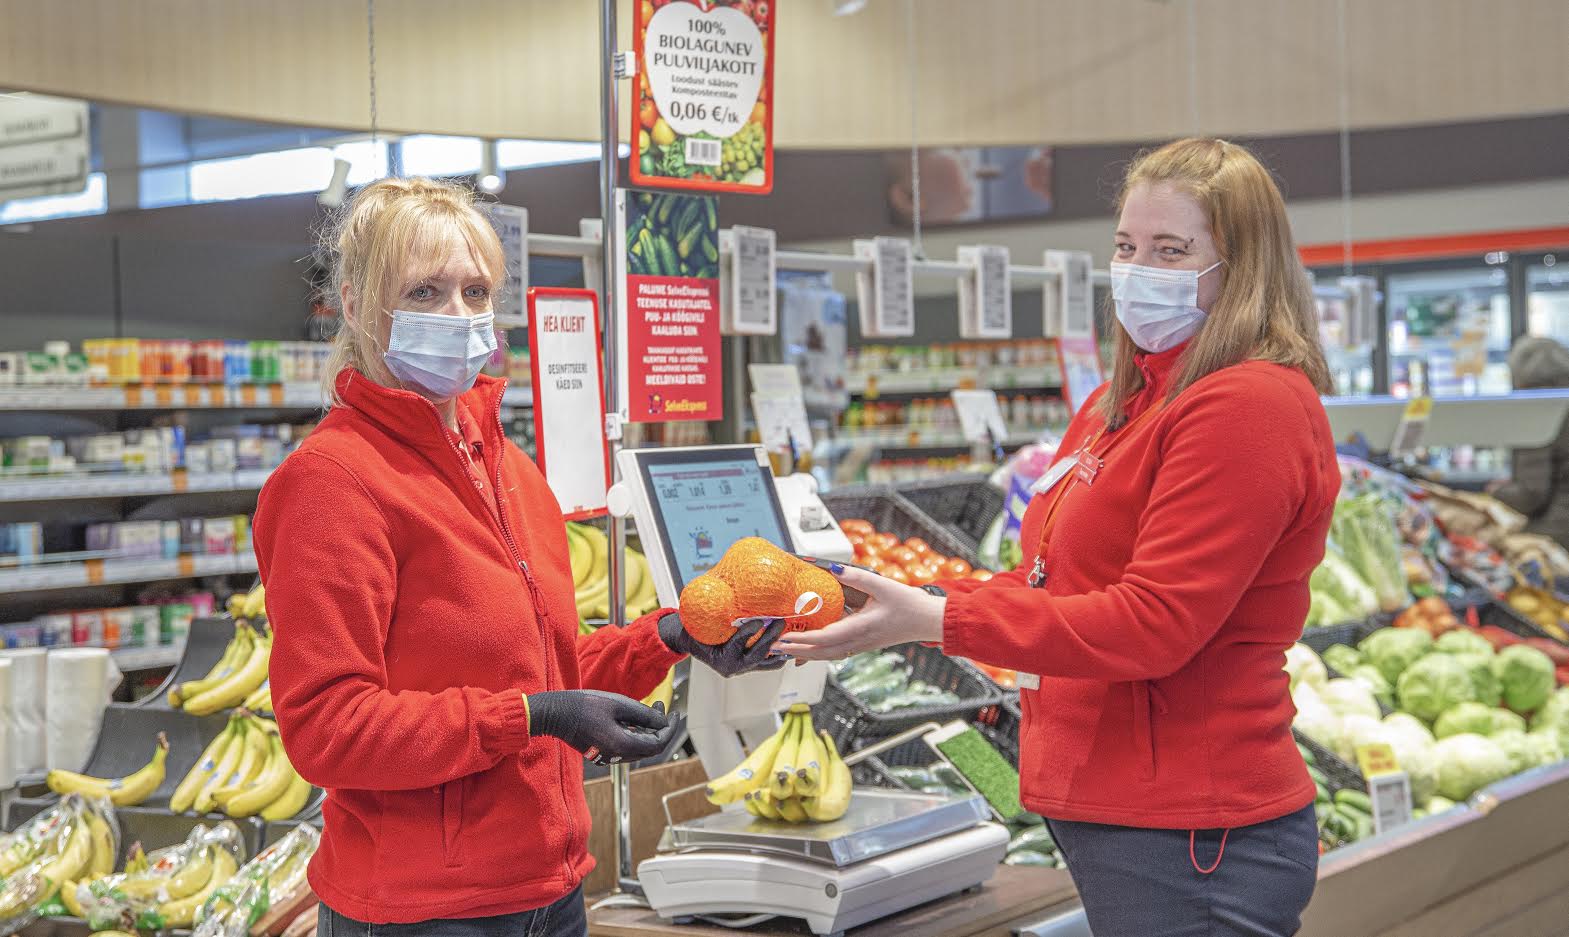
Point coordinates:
[[1028, 681], [1086, 467], [1053, 475]]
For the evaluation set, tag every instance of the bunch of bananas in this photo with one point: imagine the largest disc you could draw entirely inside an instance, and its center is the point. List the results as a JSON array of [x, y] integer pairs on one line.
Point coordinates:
[[250, 606], [796, 776], [589, 549], [165, 890], [231, 682], [243, 772], [268, 891], [128, 791], [73, 839]]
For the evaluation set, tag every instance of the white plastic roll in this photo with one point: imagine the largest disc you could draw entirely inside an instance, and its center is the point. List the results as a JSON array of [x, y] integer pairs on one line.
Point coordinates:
[[7, 709], [79, 684], [26, 716]]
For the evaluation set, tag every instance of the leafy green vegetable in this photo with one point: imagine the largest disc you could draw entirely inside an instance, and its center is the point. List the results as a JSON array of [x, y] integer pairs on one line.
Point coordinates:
[[1392, 650], [1506, 721], [1485, 687], [1554, 717], [1364, 530], [1463, 641], [1526, 675], [1467, 763], [1343, 658], [1434, 684], [1341, 590], [1304, 665], [1345, 696], [1374, 679], [1545, 746], [1518, 749], [1472, 717]]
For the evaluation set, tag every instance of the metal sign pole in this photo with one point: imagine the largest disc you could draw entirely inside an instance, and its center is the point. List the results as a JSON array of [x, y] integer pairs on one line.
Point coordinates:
[[610, 315]]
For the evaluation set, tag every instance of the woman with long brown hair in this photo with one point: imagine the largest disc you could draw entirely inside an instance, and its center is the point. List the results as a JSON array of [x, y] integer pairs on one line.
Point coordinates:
[[1166, 569]]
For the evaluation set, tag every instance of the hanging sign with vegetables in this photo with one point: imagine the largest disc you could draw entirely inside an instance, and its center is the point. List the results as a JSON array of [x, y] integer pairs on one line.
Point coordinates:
[[705, 79]]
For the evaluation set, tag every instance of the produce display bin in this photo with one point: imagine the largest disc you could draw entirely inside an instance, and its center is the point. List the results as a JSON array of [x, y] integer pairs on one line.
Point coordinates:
[[849, 720], [890, 512], [125, 743], [1351, 632], [964, 504], [1339, 774], [204, 647], [874, 771]]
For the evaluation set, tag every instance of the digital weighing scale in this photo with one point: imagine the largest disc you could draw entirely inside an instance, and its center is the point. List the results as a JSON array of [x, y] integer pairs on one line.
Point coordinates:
[[892, 850]]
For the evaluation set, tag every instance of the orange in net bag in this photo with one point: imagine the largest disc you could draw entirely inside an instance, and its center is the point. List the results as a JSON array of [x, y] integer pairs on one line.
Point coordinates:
[[756, 579]]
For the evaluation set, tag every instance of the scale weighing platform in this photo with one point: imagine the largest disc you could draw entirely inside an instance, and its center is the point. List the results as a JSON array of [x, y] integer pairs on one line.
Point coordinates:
[[893, 849]]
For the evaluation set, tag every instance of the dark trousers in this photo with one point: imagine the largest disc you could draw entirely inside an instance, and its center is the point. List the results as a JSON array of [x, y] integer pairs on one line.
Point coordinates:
[[565, 918], [1178, 883]]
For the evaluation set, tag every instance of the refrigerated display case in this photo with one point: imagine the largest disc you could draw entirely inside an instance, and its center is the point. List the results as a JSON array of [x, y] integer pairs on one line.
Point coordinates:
[[1547, 296], [1449, 328]]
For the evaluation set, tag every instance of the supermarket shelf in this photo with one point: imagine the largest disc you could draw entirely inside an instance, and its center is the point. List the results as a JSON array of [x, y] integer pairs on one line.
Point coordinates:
[[112, 572], [919, 438], [941, 380], [75, 487], [298, 395], [148, 658]]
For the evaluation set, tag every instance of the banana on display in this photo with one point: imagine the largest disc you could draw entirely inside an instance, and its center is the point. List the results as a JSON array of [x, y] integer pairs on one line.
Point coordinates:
[[266, 892], [243, 772], [231, 690], [589, 550], [166, 889], [66, 843], [250, 606], [796, 776], [122, 792]]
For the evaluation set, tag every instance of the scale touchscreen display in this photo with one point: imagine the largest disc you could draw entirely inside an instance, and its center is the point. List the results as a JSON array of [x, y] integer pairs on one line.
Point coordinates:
[[704, 503]]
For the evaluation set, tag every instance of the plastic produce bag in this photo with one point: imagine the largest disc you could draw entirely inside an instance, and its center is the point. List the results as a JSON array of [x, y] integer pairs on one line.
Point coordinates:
[[57, 846], [171, 889], [267, 893], [1365, 534]]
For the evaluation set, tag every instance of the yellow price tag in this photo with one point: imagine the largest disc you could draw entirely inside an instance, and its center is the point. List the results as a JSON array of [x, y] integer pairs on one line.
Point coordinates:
[[1420, 408], [1376, 759]]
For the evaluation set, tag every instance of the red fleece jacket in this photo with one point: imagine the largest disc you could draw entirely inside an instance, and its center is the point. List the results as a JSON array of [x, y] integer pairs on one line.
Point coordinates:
[[1175, 583], [410, 620]]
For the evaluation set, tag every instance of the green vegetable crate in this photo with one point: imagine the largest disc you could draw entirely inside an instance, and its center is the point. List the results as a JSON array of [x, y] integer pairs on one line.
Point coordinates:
[[964, 504], [891, 513], [850, 720]]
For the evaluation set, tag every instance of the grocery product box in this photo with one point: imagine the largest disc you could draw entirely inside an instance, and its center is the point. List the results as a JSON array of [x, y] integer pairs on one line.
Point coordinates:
[[87, 627], [21, 543], [118, 625], [40, 368], [174, 622], [192, 535], [55, 629], [10, 368], [218, 535], [145, 625]]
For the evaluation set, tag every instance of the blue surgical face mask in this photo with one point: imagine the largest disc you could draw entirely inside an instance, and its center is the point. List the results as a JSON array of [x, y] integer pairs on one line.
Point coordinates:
[[439, 355], [1158, 307]]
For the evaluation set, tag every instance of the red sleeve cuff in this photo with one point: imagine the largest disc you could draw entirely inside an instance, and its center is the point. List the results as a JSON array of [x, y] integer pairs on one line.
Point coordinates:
[[502, 723], [957, 629]]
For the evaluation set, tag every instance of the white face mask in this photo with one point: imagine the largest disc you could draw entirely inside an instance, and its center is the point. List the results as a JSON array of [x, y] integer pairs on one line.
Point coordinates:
[[439, 355], [1158, 307]]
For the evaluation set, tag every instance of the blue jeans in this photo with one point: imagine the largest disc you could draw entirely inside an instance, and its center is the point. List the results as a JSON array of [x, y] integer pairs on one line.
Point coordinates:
[[565, 918], [1137, 882]]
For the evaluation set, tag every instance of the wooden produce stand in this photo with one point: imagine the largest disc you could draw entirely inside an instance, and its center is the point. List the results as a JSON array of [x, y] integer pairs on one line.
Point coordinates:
[[1014, 895]]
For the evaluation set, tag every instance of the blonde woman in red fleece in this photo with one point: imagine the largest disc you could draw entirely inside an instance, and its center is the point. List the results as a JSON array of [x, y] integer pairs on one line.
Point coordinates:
[[427, 669], [1166, 572]]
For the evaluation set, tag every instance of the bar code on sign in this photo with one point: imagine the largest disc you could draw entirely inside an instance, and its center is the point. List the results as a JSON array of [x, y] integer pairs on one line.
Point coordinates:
[[703, 152]]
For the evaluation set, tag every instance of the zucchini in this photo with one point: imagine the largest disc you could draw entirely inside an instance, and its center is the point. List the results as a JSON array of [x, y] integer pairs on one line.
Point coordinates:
[[1030, 857], [1323, 796], [1037, 838], [1347, 797], [1317, 776], [1307, 754]]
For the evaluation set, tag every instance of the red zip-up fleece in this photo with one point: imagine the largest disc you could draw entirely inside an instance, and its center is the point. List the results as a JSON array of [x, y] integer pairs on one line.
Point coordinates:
[[1175, 583], [410, 620]]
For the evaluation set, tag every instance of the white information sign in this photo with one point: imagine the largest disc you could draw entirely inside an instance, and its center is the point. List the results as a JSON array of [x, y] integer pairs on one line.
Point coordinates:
[[746, 286], [569, 399], [887, 294], [511, 223], [1070, 308], [985, 293], [779, 407], [980, 416]]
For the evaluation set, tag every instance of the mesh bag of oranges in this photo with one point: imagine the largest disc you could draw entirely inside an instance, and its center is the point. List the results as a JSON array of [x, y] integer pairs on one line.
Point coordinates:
[[756, 579]]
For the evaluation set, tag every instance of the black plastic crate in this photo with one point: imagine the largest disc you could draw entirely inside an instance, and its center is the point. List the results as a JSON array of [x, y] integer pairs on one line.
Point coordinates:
[[873, 771], [965, 504], [1338, 774], [890, 512], [1351, 632], [1001, 727], [849, 720]]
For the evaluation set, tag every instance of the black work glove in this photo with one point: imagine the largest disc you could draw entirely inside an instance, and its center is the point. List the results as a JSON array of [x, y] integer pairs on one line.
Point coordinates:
[[732, 657], [605, 727]]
